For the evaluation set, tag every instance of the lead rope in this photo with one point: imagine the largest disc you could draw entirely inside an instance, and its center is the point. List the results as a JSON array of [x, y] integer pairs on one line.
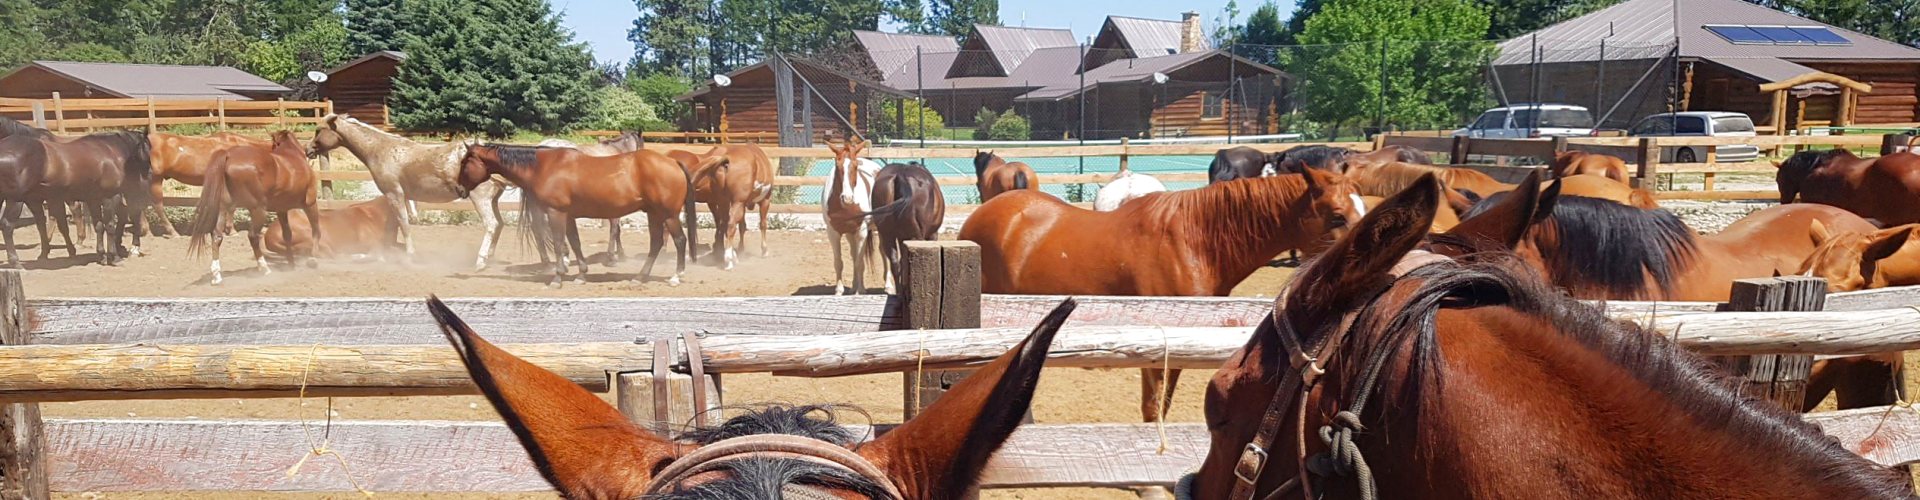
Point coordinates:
[[323, 446]]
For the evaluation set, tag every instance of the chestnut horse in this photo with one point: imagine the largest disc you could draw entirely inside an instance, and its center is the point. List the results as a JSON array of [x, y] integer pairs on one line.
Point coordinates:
[[567, 184], [626, 142], [1384, 369], [368, 228], [260, 180], [995, 175], [1594, 186], [848, 198], [1572, 163], [908, 207], [184, 158], [1389, 178], [729, 189], [1386, 154], [587, 449], [1198, 242], [1885, 189], [1862, 261]]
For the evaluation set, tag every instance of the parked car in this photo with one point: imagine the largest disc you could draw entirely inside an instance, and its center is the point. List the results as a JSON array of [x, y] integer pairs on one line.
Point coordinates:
[[1521, 121], [1700, 124]]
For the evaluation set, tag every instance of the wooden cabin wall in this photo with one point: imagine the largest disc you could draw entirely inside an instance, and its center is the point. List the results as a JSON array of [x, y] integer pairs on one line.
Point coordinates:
[[1893, 99], [362, 90]]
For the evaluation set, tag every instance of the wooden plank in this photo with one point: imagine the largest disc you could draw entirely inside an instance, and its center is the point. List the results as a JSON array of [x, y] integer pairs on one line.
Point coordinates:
[[1886, 435], [1867, 300], [1538, 148], [1764, 141], [393, 321], [1721, 195], [1420, 143], [1780, 378], [1755, 167], [113, 455], [919, 285], [23, 440]]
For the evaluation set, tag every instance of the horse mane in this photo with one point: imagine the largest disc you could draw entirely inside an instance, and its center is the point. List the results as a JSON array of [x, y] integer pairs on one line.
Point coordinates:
[[981, 161], [517, 156], [1394, 176], [11, 127], [769, 477], [1606, 247], [1320, 157], [1235, 210], [1687, 382]]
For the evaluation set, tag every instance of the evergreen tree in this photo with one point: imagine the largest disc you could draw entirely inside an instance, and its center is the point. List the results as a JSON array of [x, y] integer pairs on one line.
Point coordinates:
[[1264, 27], [19, 26], [375, 25], [493, 67], [669, 33], [957, 17], [1511, 18], [1415, 63]]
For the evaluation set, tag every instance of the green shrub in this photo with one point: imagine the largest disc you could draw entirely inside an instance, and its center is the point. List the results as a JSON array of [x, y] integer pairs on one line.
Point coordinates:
[[659, 90], [1010, 127], [983, 124], [617, 108], [889, 125]]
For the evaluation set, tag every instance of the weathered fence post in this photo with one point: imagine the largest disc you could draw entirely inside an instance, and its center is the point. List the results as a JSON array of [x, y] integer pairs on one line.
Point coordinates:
[[1458, 156], [1649, 173], [220, 108], [664, 411], [1123, 154], [1713, 161], [23, 465], [1781, 378], [153, 119], [39, 115], [940, 289], [282, 112], [59, 114], [1559, 146], [1893, 143]]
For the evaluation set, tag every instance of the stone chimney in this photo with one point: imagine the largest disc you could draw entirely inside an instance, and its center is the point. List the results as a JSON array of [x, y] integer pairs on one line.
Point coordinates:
[[1191, 39]]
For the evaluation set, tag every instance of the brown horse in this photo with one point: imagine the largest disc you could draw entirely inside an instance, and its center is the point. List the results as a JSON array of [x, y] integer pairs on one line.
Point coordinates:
[[259, 180], [366, 228], [1594, 186], [100, 172], [995, 175], [908, 206], [1862, 261], [744, 181], [1198, 242], [587, 449], [565, 184], [1384, 155], [1885, 189], [1383, 369], [1572, 163], [1444, 216], [1387, 179], [184, 158]]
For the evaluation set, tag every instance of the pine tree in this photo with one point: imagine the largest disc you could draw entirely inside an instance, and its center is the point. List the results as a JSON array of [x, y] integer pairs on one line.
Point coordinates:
[[957, 17], [491, 66], [375, 25], [19, 22]]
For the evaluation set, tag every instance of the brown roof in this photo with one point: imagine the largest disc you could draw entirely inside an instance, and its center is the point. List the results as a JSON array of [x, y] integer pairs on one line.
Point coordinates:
[[891, 52], [1138, 70], [160, 81], [1645, 28], [802, 65], [384, 54], [1146, 37], [1011, 46]]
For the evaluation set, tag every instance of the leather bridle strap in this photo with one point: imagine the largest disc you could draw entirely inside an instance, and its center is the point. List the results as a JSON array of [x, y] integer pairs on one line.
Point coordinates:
[[1294, 387], [712, 457]]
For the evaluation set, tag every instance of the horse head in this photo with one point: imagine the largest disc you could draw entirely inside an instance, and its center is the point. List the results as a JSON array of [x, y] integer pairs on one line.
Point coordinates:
[[477, 165], [1334, 200], [1502, 222], [1854, 261], [325, 140], [1789, 174], [587, 449]]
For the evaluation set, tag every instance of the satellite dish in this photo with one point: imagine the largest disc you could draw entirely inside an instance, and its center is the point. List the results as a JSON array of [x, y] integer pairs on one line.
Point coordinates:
[[1160, 78], [722, 80], [317, 77]]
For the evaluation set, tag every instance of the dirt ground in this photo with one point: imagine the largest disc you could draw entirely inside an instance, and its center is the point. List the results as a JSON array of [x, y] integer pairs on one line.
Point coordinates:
[[798, 262]]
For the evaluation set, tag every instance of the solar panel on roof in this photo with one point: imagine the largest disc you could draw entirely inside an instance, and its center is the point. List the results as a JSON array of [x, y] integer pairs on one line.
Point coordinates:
[[1781, 35], [1821, 35], [1740, 35]]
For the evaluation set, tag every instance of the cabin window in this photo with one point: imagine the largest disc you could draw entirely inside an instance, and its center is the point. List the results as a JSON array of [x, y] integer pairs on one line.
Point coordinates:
[[1213, 105]]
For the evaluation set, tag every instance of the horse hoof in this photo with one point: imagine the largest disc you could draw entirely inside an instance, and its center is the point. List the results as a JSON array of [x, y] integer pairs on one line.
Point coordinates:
[[674, 281], [553, 285], [839, 290]]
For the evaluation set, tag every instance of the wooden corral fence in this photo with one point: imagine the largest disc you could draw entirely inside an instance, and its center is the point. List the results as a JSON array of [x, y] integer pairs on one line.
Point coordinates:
[[696, 137], [101, 349], [77, 115]]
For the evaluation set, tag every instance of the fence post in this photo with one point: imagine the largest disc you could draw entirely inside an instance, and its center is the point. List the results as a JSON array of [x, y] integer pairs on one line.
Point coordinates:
[[220, 107], [23, 464], [1713, 161], [1893, 143], [282, 112], [59, 114], [1781, 378], [1459, 154], [1559, 146], [153, 120], [664, 412], [940, 288], [1123, 154], [39, 115], [1647, 177]]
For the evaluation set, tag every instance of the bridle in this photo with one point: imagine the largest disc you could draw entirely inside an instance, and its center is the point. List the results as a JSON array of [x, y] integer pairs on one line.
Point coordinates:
[[1298, 383], [714, 457]]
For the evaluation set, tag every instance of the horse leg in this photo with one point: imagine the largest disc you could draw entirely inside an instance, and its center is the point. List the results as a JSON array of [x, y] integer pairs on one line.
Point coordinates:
[[1156, 392], [313, 224], [859, 261], [573, 243], [225, 221], [486, 201], [838, 266], [133, 215], [556, 243], [722, 217], [401, 211], [616, 252], [161, 226], [9, 219], [736, 223], [678, 231], [256, 236], [764, 206], [58, 210], [657, 231]]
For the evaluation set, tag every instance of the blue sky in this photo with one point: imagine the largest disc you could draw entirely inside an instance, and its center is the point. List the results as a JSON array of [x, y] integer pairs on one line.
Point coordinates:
[[603, 24]]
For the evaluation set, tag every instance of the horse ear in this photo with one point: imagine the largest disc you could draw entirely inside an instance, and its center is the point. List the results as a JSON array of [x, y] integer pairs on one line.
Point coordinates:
[[580, 444], [1360, 262], [1776, 164], [1508, 220], [940, 453], [1887, 242], [1820, 233], [1316, 186]]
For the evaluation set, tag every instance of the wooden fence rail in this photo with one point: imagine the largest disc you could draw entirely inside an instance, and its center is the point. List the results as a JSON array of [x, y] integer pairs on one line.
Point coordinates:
[[150, 113]]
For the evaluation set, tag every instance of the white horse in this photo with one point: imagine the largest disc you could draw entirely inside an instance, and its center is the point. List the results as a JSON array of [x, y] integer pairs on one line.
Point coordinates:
[[1125, 187], [844, 205], [408, 172]]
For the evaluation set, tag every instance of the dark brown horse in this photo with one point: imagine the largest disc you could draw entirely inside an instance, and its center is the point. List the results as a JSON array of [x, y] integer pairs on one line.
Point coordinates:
[[908, 206], [587, 449], [1198, 242], [559, 185], [103, 173], [368, 228], [994, 175], [1388, 370], [1885, 189], [1242, 162], [262, 181]]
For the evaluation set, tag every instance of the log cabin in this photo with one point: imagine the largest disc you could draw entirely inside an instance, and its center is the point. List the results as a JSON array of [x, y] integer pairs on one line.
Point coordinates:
[[362, 86]]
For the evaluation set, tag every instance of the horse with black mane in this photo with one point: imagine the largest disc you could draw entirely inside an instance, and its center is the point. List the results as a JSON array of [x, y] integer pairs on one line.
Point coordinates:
[[104, 173], [1885, 189], [908, 206]]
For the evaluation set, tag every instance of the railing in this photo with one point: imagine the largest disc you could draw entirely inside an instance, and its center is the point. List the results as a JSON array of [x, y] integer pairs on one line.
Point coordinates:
[[57, 114]]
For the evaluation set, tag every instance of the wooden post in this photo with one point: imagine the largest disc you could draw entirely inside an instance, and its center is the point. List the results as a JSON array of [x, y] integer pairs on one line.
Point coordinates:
[[1781, 378], [220, 108], [1559, 146], [1123, 154], [1844, 116], [59, 114], [23, 465], [153, 120], [940, 288], [329, 107], [1458, 156], [39, 115], [1379, 140], [1713, 161], [1647, 176], [282, 112], [665, 414], [1893, 143]]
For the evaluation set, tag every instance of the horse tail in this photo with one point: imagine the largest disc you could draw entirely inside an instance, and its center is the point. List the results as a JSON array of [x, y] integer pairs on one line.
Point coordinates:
[[1020, 180], [692, 217], [213, 203], [902, 198], [534, 224]]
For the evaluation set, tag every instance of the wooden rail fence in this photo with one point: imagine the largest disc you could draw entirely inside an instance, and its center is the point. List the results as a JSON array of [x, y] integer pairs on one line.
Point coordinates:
[[56, 114], [91, 349]]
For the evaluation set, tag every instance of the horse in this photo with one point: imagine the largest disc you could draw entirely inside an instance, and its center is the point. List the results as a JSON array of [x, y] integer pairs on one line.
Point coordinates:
[[368, 228], [586, 449], [1444, 215], [994, 175], [1861, 261], [1389, 178], [729, 189], [1242, 162], [1885, 189], [184, 158], [1594, 186], [566, 184], [1386, 154], [1198, 242], [1572, 163], [1125, 187], [626, 142], [848, 198], [1440, 379], [908, 206], [408, 171], [260, 180], [106, 173]]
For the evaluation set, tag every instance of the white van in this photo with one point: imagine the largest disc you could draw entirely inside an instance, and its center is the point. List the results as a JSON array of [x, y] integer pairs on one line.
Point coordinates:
[[1522, 121], [1699, 124]]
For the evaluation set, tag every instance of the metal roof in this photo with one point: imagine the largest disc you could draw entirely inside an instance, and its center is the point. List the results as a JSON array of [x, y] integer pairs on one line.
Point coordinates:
[[800, 64], [1134, 70], [1648, 26], [890, 52], [1012, 45], [1147, 37], [160, 81], [1764, 69]]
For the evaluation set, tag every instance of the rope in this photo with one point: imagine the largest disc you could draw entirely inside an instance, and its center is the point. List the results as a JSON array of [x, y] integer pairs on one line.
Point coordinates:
[[919, 370], [1343, 456], [321, 447]]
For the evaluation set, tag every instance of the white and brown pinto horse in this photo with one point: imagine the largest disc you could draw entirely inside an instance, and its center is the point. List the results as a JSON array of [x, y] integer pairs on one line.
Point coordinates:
[[1127, 186], [1198, 242], [848, 199], [408, 171]]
